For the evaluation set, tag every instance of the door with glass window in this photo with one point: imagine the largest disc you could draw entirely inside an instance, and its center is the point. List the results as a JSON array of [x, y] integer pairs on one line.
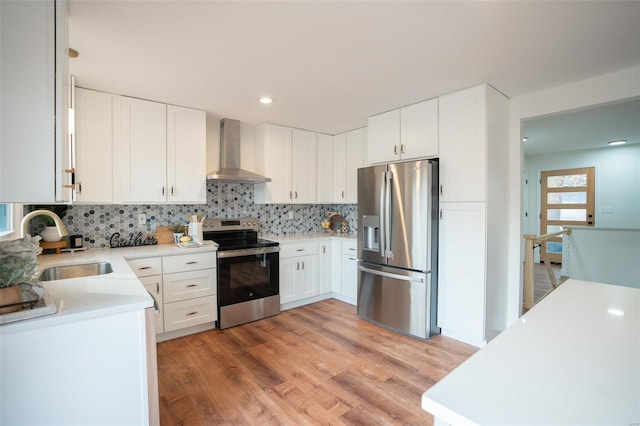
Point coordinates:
[[566, 199]]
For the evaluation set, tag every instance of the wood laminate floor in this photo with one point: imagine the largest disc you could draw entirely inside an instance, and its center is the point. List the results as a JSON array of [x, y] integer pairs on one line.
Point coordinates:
[[318, 364]]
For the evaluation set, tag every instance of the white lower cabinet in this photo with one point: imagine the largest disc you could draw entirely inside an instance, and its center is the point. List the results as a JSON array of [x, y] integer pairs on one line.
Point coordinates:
[[349, 271], [324, 266], [153, 284], [183, 286], [298, 271]]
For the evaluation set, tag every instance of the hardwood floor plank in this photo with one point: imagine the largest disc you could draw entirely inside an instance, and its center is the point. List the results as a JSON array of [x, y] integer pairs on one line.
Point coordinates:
[[318, 364]]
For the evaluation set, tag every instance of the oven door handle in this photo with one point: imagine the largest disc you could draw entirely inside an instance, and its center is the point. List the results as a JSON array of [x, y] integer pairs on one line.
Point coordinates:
[[247, 252]]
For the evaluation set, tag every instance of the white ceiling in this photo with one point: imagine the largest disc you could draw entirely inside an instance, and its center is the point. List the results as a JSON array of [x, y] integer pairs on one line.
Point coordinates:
[[589, 128], [330, 64]]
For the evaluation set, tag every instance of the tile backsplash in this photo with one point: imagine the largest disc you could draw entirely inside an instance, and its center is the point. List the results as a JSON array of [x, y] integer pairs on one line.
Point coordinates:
[[96, 223]]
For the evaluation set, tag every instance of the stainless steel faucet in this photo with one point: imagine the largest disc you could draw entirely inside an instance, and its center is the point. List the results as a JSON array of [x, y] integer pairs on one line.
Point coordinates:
[[62, 230]]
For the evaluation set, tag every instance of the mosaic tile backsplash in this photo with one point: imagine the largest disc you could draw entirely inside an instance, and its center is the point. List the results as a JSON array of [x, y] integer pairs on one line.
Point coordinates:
[[96, 223]]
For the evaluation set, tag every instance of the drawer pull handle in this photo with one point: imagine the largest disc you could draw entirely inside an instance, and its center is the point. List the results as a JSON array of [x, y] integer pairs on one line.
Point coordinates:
[[351, 248], [192, 285], [142, 268], [193, 262], [299, 249], [192, 313]]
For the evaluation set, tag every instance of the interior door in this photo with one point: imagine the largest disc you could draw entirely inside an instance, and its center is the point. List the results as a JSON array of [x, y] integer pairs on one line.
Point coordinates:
[[567, 197]]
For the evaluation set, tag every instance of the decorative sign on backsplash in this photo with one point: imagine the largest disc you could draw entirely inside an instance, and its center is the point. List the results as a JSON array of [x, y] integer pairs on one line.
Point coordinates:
[[134, 240]]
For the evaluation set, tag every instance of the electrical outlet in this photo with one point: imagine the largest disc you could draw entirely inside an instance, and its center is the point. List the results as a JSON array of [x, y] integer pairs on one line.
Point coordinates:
[[606, 210], [290, 215], [142, 218]]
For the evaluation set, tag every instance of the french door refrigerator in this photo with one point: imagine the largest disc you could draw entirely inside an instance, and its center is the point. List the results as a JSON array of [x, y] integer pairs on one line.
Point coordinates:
[[398, 246]]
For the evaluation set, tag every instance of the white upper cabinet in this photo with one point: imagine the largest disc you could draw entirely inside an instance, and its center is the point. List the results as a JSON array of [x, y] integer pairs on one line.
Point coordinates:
[[304, 167], [93, 146], [34, 103], [404, 134], [288, 157], [141, 151], [160, 152], [384, 137], [348, 155], [325, 169], [186, 155], [273, 159], [463, 145]]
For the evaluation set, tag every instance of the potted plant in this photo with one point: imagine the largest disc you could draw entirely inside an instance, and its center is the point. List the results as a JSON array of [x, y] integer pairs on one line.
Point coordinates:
[[18, 265]]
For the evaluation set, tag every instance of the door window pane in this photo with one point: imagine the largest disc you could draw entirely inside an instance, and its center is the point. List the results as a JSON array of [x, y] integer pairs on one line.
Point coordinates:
[[567, 198], [5, 217], [567, 181], [554, 228], [567, 214]]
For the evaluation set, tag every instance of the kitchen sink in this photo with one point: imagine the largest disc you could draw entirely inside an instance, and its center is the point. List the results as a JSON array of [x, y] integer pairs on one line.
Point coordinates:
[[75, 271]]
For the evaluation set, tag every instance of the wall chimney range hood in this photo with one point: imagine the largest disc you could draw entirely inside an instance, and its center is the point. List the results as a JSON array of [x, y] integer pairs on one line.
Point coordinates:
[[230, 170]]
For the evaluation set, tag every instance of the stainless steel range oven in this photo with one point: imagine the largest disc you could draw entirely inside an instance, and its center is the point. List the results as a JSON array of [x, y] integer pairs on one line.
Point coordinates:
[[248, 271]]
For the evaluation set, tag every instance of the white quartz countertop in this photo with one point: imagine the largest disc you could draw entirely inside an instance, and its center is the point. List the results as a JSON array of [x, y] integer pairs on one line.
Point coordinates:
[[319, 235], [574, 359], [89, 297]]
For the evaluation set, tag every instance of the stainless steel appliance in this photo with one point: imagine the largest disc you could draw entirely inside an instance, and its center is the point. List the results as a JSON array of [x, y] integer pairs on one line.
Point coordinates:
[[397, 246], [248, 271]]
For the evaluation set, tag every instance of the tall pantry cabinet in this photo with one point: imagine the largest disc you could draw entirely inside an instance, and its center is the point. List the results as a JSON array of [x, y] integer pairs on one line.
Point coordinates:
[[473, 145]]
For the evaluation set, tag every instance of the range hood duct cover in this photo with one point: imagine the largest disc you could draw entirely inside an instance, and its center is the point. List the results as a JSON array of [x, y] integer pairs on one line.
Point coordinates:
[[230, 170]]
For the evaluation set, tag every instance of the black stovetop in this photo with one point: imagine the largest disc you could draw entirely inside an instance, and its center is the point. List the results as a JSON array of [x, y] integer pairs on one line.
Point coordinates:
[[235, 240]]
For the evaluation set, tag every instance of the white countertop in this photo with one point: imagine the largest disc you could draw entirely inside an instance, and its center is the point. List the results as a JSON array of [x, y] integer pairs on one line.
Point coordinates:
[[319, 235], [574, 359], [89, 297]]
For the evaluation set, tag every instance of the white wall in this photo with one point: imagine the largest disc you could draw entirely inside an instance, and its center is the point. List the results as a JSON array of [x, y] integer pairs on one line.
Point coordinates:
[[617, 183], [607, 88]]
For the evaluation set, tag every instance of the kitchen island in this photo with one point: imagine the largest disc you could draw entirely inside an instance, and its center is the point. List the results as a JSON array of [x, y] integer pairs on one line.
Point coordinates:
[[574, 359], [88, 362]]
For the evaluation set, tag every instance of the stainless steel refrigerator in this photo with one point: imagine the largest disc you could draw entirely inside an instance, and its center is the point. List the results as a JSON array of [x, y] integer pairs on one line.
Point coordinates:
[[398, 246]]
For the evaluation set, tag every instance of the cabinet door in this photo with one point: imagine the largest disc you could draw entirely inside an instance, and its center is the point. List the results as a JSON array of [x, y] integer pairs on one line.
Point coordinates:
[[461, 269], [324, 267], [186, 155], [349, 278], [303, 166], [355, 160], [153, 284], [273, 160], [419, 130], [94, 146], [384, 137], [325, 169], [288, 279], [141, 151], [462, 118], [340, 168], [307, 279], [31, 146]]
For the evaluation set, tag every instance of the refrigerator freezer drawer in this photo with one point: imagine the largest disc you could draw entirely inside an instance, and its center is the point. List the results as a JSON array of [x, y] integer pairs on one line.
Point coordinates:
[[395, 298]]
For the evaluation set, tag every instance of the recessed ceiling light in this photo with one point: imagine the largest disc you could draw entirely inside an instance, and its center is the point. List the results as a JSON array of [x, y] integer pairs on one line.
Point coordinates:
[[524, 139], [613, 143], [265, 100]]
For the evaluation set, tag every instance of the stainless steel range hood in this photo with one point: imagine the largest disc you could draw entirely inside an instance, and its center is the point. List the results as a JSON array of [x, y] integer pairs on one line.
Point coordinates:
[[230, 170]]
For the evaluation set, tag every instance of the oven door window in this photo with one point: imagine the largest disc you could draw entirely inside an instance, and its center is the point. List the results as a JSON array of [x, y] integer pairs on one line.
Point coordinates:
[[247, 277]]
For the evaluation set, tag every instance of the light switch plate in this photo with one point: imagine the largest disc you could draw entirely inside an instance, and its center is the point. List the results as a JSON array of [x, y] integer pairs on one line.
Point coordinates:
[[606, 210]]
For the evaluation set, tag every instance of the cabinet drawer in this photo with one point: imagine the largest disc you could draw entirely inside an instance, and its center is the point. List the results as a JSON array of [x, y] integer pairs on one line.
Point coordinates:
[[188, 313], [189, 262], [146, 267], [350, 247], [189, 285], [298, 249]]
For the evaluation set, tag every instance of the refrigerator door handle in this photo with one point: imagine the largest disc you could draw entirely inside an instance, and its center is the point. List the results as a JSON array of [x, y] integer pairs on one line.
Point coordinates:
[[383, 249], [390, 275], [387, 214]]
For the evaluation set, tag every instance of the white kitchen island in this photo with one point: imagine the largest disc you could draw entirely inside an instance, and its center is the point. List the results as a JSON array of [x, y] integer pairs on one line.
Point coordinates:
[[574, 359]]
